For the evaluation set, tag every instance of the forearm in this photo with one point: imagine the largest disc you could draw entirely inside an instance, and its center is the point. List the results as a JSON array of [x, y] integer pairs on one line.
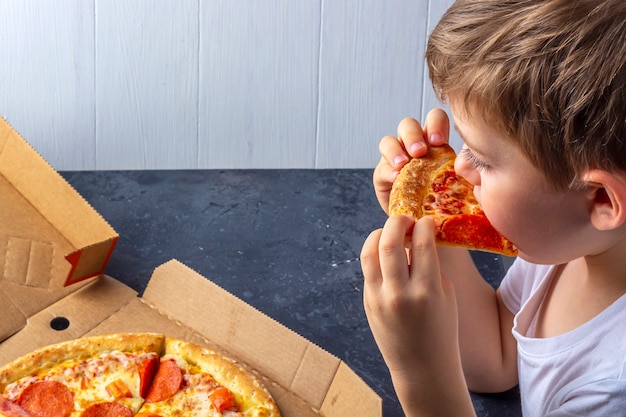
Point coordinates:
[[433, 392], [486, 344]]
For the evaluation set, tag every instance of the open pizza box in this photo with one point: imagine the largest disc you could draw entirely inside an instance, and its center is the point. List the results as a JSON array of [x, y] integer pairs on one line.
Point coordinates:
[[54, 248]]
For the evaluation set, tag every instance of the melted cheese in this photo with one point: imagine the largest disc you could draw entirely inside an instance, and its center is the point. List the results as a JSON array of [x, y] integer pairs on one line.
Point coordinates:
[[88, 379], [449, 195], [193, 399]]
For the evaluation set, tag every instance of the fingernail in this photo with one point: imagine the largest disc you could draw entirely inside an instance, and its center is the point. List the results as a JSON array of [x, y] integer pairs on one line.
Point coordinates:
[[435, 138], [417, 148], [399, 160]]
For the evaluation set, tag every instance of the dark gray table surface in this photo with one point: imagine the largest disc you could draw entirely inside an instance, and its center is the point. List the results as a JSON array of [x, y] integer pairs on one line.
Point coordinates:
[[285, 241]]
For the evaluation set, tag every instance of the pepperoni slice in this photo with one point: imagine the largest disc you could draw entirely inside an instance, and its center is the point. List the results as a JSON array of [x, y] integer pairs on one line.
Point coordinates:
[[472, 230], [147, 369], [10, 409], [47, 399], [107, 410], [166, 383]]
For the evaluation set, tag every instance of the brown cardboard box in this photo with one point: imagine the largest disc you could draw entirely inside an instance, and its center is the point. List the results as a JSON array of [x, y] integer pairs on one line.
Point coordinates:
[[53, 252]]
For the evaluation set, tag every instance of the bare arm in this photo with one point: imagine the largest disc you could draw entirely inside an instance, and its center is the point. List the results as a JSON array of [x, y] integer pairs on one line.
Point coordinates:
[[488, 349]]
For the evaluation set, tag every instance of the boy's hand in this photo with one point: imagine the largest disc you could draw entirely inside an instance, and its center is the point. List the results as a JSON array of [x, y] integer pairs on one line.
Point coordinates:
[[412, 142], [410, 306], [411, 309]]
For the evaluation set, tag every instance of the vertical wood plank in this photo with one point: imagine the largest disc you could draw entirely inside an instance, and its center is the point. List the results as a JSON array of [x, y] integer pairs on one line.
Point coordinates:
[[371, 76], [436, 9], [146, 84], [113, 84], [258, 83], [47, 77]]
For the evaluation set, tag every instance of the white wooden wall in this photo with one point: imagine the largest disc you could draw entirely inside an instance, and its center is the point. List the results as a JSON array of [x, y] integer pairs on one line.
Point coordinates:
[[166, 84]]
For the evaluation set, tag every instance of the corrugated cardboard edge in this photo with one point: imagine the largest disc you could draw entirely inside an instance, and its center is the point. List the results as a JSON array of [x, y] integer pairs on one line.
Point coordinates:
[[86, 230], [285, 357], [13, 318]]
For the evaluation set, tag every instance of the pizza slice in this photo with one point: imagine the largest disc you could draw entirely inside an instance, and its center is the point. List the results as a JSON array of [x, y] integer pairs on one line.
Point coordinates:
[[196, 381], [429, 186], [94, 376]]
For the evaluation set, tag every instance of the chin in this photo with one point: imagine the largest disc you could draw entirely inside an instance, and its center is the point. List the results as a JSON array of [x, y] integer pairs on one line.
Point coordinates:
[[543, 258], [533, 259]]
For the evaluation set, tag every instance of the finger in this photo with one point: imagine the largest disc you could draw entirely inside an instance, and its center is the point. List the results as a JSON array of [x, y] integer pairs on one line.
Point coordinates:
[[383, 178], [411, 135], [393, 152], [392, 254], [425, 263], [369, 259], [384, 174], [437, 127]]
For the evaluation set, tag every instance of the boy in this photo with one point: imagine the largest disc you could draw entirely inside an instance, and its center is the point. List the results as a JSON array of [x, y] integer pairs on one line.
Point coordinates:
[[537, 90]]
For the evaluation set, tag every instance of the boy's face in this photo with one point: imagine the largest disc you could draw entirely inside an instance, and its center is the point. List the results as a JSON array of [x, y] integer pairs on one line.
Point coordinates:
[[547, 226]]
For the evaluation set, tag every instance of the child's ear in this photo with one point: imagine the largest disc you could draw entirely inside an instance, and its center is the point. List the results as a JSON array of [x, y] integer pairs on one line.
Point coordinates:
[[607, 192]]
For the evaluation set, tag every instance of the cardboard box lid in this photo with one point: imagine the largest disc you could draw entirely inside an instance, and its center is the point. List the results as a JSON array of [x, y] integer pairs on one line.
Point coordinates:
[[50, 237]]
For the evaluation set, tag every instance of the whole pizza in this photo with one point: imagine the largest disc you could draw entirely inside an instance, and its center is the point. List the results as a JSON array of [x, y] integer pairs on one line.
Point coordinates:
[[130, 374], [429, 186]]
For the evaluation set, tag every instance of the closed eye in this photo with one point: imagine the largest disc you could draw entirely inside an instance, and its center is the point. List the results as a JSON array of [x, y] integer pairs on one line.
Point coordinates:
[[473, 160]]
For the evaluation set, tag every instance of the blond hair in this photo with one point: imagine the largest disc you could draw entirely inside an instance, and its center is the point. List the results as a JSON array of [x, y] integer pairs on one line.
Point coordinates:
[[548, 74]]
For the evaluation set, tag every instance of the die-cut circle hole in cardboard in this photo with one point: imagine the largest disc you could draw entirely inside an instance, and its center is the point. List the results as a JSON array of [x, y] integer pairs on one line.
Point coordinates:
[[59, 323]]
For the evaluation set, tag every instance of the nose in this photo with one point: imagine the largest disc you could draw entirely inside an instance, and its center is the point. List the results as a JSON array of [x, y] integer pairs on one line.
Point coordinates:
[[464, 168]]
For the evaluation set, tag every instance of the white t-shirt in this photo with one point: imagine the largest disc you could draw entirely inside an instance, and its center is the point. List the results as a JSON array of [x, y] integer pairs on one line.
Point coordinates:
[[578, 373]]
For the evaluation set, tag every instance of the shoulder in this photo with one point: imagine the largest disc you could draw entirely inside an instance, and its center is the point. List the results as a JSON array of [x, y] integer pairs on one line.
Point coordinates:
[[605, 397], [521, 281]]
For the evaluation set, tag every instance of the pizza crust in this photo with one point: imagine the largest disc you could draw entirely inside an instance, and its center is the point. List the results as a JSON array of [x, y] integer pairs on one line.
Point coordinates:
[[249, 393], [411, 185], [46, 358]]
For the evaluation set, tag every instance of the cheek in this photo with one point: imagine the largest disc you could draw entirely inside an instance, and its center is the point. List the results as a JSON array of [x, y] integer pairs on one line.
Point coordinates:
[[497, 211], [511, 214], [546, 230]]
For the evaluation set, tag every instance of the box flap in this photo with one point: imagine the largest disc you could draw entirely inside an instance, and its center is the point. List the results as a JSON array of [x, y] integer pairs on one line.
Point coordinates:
[[282, 355], [53, 219], [349, 396], [50, 237]]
